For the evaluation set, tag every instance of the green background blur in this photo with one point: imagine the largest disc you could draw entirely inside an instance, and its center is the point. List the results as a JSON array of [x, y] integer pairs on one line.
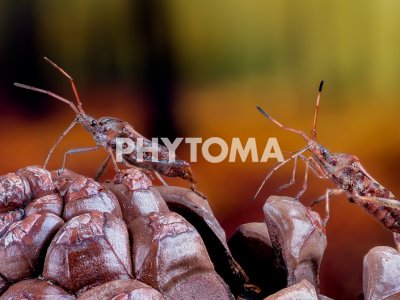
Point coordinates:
[[197, 69]]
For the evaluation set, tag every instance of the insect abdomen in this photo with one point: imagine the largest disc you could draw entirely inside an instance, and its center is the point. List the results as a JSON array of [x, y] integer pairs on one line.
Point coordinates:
[[387, 216]]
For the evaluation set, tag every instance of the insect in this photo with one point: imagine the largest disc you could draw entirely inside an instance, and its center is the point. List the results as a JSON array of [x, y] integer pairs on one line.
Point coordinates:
[[105, 130], [347, 174]]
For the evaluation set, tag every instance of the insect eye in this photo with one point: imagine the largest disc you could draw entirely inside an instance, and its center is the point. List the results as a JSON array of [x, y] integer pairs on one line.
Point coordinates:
[[94, 123]]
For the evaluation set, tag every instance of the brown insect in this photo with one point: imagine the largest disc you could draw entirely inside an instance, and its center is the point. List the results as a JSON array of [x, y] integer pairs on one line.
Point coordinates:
[[348, 175], [105, 130]]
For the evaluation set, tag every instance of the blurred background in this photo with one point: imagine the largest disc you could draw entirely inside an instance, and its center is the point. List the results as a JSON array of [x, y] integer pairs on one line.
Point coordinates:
[[197, 69]]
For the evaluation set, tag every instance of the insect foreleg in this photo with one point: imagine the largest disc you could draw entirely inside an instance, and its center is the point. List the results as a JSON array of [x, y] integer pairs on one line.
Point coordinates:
[[305, 181], [314, 167], [292, 180], [58, 141], [328, 193], [310, 164], [272, 171]]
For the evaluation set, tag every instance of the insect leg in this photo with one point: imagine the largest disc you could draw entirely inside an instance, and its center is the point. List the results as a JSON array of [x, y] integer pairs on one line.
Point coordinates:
[[393, 203], [396, 237], [293, 179], [305, 179], [78, 100], [328, 193], [177, 168], [114, 161], [102, 168], [276, 168], [77, 150], [314, 167], [58, 141], [160, 178], [193, 183], [181, 164]]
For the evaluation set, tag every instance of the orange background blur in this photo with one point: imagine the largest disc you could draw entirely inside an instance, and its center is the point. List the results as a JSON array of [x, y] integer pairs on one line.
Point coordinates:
[[197, 69]]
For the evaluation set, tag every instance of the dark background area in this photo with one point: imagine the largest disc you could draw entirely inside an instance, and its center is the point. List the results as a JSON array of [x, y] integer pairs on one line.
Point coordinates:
[[197, 69]]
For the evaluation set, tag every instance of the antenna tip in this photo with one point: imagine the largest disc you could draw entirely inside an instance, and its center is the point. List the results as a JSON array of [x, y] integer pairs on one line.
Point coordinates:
[[48, 60], [262, 111], [320, 86]]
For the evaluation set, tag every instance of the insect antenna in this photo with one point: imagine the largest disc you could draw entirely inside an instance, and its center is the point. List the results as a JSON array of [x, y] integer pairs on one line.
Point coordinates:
[[314, 128], [70, 103], [299, 132], [51, 94], [78, 99]]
